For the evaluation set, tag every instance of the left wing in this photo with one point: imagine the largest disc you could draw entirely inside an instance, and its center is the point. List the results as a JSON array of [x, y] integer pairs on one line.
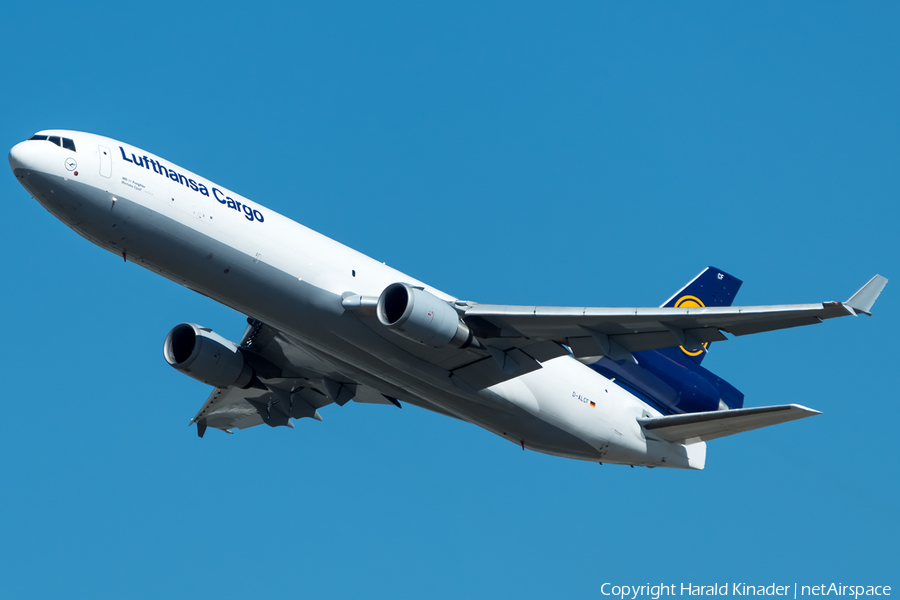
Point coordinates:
[[289, 384]]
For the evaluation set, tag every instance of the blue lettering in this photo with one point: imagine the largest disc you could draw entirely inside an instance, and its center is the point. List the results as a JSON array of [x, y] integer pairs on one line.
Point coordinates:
[[250, 213]]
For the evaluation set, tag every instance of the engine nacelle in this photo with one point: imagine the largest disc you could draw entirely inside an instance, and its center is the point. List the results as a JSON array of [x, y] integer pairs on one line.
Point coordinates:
[[206, 356], [422, 317]]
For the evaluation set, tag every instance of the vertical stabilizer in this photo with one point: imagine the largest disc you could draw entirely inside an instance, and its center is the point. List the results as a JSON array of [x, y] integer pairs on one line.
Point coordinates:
[[671, 379], [712, 287]]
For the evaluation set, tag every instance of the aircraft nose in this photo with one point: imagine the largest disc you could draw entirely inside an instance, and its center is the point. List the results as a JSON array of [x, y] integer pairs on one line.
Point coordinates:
[[21, 156]]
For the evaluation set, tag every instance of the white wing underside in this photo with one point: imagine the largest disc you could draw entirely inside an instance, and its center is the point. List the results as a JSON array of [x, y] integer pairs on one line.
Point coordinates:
[[292, 384]]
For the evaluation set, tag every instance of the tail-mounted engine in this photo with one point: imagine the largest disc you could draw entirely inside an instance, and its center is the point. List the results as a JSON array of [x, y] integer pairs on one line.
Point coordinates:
[[422, 317], [206, 356]]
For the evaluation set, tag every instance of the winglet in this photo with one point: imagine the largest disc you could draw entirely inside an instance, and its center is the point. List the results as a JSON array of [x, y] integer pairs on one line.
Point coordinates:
[[863, 300]]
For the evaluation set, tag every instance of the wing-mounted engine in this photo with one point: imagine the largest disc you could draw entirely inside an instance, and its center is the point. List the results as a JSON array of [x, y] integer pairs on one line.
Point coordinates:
[[422, 317], [206, 356], [266, 379]]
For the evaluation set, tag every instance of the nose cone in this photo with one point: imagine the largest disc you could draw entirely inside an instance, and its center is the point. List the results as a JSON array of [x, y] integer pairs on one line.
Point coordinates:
[[22, 156]]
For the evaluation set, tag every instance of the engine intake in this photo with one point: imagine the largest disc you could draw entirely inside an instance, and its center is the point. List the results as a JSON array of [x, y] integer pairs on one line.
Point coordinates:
[[422, 317], [206, 356]]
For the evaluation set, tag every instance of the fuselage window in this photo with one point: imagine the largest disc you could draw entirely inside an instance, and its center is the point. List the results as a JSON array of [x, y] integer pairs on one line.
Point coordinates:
[[55, 140], [68, 144]]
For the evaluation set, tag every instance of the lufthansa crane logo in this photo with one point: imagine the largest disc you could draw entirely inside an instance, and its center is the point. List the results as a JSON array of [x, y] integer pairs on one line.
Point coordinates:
[[691, 302], [71, 165]]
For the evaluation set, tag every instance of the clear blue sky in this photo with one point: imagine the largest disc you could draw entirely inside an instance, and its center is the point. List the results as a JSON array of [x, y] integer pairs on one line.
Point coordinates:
[[589, 154]]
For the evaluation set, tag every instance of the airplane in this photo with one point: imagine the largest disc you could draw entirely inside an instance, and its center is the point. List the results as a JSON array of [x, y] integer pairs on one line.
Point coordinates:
[[327, 324]]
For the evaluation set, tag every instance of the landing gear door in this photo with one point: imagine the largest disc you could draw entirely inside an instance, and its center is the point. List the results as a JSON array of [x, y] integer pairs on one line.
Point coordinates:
[[105, 162]]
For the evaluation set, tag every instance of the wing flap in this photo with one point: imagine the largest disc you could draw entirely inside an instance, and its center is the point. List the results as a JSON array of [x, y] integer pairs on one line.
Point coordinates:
[[700, 427], [227, 409], [275, 405]]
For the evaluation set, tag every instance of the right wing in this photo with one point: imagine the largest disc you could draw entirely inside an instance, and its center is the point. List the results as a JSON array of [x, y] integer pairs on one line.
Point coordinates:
[[515, 340], [617, 332]]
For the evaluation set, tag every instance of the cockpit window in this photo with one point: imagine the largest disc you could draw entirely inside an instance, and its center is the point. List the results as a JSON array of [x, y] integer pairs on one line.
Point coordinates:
[[66, 143]]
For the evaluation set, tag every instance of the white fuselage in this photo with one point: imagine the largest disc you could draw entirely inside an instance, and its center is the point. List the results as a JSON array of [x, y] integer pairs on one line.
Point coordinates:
[[264, 265]]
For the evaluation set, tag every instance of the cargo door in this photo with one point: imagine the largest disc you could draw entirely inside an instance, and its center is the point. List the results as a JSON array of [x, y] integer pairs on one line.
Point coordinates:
[[105, 162]]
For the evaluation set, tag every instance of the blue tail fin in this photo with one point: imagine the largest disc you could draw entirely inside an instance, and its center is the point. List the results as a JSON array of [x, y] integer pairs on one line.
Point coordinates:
[[712, 287], [671, 379]]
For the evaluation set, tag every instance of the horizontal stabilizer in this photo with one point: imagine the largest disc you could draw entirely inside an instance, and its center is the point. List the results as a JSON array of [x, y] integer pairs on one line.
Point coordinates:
[[700, 427]]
